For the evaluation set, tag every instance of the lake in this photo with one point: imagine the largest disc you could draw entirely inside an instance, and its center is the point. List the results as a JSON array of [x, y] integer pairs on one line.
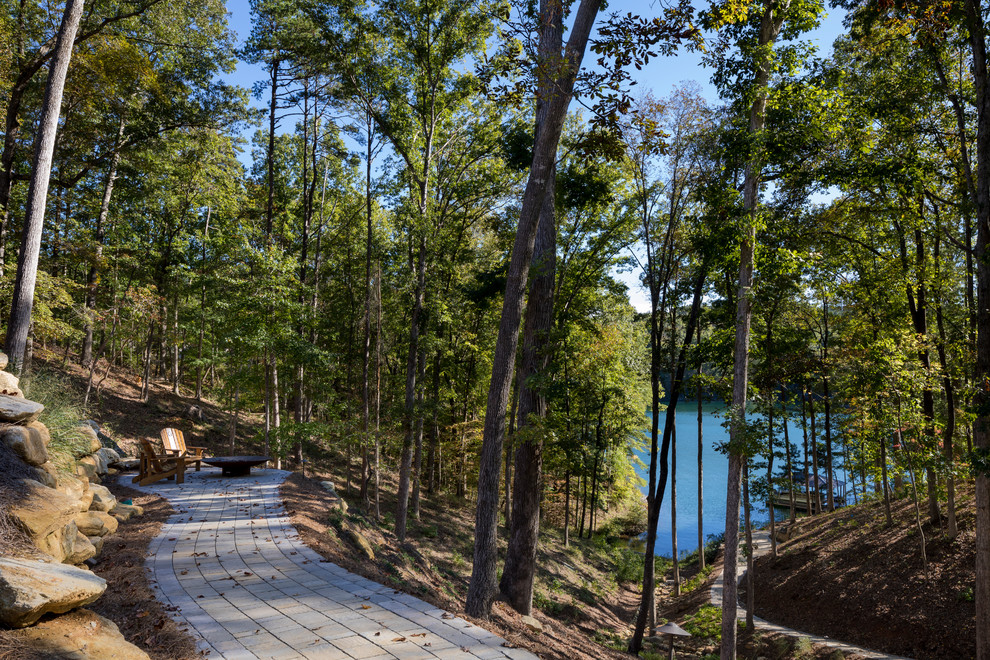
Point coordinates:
[[716, 472]]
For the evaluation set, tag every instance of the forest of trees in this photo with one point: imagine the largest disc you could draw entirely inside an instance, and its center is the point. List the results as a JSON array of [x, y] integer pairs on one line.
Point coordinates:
[[408, 250]]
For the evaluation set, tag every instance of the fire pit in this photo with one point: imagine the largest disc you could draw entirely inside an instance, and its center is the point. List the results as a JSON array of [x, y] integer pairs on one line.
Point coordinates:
[[235, 466]]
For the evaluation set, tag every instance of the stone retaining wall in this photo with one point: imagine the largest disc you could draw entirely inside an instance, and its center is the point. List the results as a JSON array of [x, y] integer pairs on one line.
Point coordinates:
[[66, 516]]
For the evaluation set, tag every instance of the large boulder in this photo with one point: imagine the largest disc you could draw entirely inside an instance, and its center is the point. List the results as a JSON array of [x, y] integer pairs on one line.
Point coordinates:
[[47, 474], [87, 431], [76, 488], [103, 499], [26, 442], [82, 549], [41, 510], [29, 589], [87, 470], [97, 542], [124, 512], [17, 410], [106, 458], [96, 523], [42, 430], [9, 384], [61, 543], [80, 635]]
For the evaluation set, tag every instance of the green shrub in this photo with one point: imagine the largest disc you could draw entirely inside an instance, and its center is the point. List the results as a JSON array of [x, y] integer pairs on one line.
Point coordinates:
[[629, 523], [706, 623]]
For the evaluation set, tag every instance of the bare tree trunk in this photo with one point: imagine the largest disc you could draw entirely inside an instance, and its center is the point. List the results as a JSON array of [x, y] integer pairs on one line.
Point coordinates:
[[567, 508], [418, 454], [981, 426], [750, 587], [484, 586], [34, 214], [519, 571], [409, 415], [99, 237], [656, 488], [202, 310], [701, 472], [673, 508], [773, 518], [770, 24]]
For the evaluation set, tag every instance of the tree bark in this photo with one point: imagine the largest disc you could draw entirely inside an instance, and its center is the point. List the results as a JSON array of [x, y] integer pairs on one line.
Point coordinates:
[[409, 416], [981, 426], [483, 586], [701, 471], [99, 237], [519, 571], [656, 487], [34, 214], [770, 24]]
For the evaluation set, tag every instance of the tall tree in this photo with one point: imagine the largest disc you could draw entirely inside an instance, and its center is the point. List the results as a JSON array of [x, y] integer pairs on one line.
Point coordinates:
[[27, 261]]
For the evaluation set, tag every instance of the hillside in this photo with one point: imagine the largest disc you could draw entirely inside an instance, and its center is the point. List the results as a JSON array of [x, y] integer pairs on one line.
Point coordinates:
[[849, 576]]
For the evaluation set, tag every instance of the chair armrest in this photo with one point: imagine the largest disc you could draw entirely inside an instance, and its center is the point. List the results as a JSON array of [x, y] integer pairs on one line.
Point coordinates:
[[198, 450]]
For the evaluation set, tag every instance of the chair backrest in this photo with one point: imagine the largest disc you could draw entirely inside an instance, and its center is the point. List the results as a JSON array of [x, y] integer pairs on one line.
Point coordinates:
[[150, 456], [173, 441]]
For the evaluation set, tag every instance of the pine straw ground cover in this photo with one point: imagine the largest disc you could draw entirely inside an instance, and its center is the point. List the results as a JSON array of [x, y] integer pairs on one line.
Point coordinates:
[[849, 576], [128, 600]]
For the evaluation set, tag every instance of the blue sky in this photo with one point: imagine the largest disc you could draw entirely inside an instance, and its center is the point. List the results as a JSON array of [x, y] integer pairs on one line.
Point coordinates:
[[660, 75]]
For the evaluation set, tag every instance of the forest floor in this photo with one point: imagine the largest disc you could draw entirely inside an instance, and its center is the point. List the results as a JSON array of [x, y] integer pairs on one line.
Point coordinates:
[[850, 576], [586, 597]]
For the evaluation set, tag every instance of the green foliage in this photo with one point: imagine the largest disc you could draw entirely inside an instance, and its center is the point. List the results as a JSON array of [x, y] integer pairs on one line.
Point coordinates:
[[705, 624], [63, 415]]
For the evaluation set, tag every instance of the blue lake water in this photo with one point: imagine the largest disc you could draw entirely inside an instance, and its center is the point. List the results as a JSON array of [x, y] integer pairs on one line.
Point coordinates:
[[716, 471]]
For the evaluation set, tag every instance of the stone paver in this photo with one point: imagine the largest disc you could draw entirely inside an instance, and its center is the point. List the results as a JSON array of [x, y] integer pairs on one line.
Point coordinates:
[[761, 546], [234, 568]]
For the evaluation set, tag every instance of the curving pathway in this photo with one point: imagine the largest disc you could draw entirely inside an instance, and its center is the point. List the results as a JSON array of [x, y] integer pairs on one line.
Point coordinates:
[[232, 566], [761, 546]]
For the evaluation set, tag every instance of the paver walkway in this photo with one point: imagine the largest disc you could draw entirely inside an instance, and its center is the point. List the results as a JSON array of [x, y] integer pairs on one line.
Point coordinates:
[[761, 546], [233, 566]]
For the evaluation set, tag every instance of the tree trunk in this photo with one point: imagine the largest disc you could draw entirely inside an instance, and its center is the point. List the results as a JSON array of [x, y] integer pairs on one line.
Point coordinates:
[[409, 415], [773, 518], [829, 480], [34, 214], [483, 586], [770, 24], [701, 472], [656, 487], [99, 237], [519, 571], [202, 311], [750, 587], [417, 466], [981, 402]]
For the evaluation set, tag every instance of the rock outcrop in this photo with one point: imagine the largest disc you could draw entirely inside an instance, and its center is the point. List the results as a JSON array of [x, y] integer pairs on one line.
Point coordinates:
[[9, 384], [103, 500], [96, 523], [81, 635], [40, 509], [27, 442], [18, 410], [29, 589]]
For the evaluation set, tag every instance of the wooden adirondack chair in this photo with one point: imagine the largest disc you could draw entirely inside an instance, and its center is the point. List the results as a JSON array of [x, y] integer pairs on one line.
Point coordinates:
[[175, 444], [155, 467]]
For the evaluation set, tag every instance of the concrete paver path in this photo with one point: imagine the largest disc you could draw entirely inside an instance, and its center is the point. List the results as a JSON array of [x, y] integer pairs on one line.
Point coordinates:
[[761, 547], [233, 566]]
